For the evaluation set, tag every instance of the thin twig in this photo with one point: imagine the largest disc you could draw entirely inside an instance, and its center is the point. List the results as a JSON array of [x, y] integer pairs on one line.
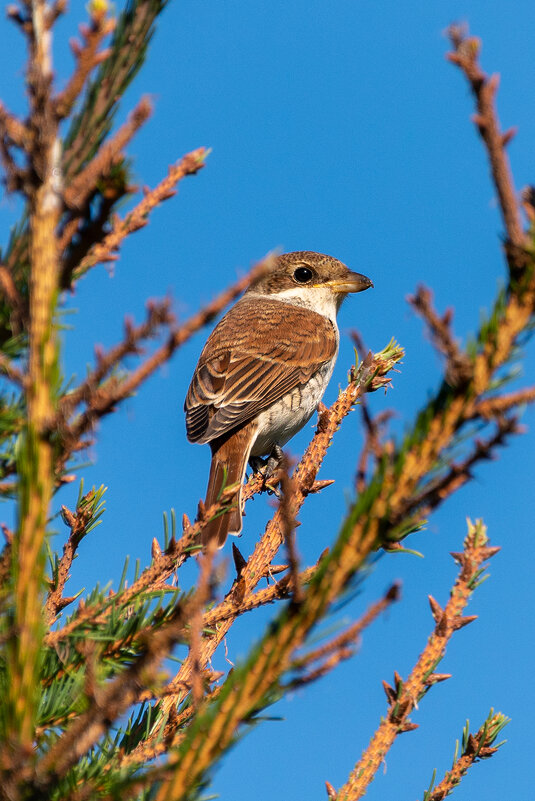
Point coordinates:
[[478, 746], [87, 58], [459, 368], [404, 696], [84, 184], [158, 314], [13, 129], [137, 218], [77, 523], [465, 55], [343, 645], [304, 478], [105, 399]]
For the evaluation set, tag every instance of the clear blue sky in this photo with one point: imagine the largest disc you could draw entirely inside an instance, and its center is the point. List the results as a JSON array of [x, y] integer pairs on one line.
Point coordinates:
[[339, 127]]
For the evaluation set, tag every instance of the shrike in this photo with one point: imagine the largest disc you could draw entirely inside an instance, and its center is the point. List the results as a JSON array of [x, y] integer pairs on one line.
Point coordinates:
[[264, 369]]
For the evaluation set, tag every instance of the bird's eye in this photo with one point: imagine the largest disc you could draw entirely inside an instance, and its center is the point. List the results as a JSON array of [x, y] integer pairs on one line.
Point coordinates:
[[303, 275]]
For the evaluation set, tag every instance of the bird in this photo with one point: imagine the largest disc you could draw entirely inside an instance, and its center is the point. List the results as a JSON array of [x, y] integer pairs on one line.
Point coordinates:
[[264, 370]]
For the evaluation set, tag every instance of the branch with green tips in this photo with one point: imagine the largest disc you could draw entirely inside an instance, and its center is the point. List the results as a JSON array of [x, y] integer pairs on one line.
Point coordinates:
[[475, 747]]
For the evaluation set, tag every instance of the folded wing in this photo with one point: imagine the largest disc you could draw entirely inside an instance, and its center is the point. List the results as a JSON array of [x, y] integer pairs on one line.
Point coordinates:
[[251, 361]]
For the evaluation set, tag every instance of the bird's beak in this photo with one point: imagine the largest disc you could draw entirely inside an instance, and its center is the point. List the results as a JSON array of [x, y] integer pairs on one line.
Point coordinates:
[[352, 282]]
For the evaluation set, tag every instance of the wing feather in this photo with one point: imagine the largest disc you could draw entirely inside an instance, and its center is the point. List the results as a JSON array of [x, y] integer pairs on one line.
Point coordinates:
[[251, 361]]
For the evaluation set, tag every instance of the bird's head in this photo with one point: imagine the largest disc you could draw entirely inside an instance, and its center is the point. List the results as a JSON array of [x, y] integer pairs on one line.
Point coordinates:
[[309, 278]]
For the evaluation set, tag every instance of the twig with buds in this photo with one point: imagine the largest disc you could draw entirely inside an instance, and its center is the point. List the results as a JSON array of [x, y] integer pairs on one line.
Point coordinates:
[[404, 696]]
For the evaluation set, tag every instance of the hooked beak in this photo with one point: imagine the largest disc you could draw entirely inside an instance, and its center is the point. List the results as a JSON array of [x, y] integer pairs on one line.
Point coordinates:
[[352, 282]]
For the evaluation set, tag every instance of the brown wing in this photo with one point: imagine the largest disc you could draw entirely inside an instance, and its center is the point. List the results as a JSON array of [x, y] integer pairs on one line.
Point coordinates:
[[251, 360]]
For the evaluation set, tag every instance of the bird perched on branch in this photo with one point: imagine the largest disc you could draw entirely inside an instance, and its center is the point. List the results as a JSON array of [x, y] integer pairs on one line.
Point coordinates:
[[264, 369]]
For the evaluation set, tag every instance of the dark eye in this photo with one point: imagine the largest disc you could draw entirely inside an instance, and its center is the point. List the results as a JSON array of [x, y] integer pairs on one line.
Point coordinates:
[[303, 275]]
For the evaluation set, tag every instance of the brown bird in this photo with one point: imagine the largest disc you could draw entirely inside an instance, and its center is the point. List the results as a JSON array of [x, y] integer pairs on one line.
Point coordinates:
[[264, 369]]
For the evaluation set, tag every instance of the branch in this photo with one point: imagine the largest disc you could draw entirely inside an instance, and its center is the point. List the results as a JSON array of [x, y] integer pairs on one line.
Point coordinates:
[[35, 455], [436, 491], [87, 58], [465, 56], [79, 523], [158, 314], [14, 299], [106, 398], [14, 130], [84, 184], [475, 747], [459, 367], [343, 645], [404, 696], [137, 218], [109, 702], [493, 407]]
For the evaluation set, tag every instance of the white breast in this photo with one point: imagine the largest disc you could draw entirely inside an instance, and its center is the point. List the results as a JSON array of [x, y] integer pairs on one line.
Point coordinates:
[[278, 424]]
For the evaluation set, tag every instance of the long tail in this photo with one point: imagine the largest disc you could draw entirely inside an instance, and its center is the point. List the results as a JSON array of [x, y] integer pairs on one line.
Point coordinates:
[[229, 461]]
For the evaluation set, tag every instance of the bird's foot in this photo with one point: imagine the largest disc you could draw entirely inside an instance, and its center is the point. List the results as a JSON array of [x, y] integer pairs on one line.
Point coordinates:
[[267, 469]]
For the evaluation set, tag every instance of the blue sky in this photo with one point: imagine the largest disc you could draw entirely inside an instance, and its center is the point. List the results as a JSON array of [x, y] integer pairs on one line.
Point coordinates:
[[336, 127]]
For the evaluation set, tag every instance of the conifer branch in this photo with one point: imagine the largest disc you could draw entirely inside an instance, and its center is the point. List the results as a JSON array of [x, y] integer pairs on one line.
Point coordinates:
[[85, 183], [370, 375], [137, 218], [108, 703], [13, 130], [459, 367], [493, 407], [87, 57], [436, 490], [128, 47], [158, 314], [404, 696], [475, 747], [102, 399], [343, 645], [11, 371], [80, 523], [35, 464], [13, 298], [465, 55]]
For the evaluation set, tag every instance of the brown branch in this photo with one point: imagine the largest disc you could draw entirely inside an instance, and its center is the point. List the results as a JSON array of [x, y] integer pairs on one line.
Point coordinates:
[[372, 375], [459, 368], [373, 427], [105, 399], [479, 746], [77, 523], [13, 129], [493, 407], [343, 645], [404, 697], [13, 297], [11, 371], [110, 701], [202, 596], [158, 314], [289, 525], [84, 184], [87, 58], [436, 491], [137, 218], [465, 56]]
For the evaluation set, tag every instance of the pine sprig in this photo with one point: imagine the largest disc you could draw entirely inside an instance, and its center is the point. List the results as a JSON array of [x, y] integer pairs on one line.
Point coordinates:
[[473, 748]]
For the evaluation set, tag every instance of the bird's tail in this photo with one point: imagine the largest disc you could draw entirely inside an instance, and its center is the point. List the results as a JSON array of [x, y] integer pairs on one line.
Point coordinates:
[[229, 461]]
